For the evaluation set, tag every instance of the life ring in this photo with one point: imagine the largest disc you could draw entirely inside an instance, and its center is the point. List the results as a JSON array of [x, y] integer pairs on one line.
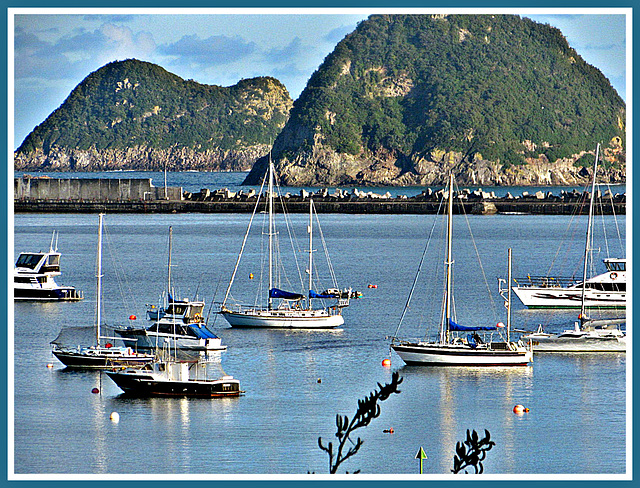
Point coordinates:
[[197, 317], [613, 276]]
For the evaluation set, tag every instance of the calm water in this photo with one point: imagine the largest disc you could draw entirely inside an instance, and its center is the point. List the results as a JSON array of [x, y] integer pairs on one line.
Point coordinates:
[[577, 419], [194, 181]]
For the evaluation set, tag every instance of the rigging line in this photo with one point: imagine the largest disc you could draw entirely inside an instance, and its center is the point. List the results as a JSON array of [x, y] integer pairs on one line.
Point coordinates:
[[615, 219], [326, 251], [213, 300], [118, 271], [577, 210], [291, 232], [415, 279], [475, 247], [244, 241]]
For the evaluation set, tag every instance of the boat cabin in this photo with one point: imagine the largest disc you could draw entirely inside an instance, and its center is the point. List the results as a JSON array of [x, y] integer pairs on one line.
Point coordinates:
[[39, 262]]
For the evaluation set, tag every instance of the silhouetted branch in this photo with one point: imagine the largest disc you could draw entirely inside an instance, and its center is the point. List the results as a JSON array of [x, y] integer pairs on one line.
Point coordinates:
[[368, 409], [474, 453]]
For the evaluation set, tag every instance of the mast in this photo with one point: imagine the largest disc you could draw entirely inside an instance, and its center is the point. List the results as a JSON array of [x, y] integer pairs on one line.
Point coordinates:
[[99, 279], [509, 296], [310, 249], [449, 261], [169, 260], [270, 231], [587, 245]]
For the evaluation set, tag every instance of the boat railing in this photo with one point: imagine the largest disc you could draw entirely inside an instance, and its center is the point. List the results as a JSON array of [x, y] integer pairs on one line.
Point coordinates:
[[546, 281]]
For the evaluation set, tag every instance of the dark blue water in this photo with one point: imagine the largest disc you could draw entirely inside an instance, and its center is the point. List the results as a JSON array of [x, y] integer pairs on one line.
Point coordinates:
[[194, 181], [577, 422]]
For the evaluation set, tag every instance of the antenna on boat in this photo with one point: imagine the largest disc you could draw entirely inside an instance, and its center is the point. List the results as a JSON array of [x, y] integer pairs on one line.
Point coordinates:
[[54, 236]]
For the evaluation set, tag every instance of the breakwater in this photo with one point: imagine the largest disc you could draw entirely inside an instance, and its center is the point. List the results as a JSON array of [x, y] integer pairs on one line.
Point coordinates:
[[139, 196]]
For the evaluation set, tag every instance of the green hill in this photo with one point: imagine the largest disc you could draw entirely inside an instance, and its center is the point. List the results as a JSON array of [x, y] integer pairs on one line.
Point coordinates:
[[139, 115], [405, 99]]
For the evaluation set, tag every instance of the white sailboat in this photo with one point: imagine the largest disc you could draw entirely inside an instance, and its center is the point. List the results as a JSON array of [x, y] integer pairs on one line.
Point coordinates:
[[606, 290], [587, 335], [98, 355], [450, 349], [286, 309]]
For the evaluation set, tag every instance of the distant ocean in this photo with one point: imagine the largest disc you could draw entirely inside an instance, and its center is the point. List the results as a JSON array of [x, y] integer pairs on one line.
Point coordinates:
[[194, 181]]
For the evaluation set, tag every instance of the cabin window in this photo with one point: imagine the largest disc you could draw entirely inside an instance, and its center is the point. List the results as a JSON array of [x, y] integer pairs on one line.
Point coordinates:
[[28, 261], [616, 265]]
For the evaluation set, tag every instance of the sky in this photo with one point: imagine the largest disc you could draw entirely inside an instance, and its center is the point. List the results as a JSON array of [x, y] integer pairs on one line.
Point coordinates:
[[55, 49]]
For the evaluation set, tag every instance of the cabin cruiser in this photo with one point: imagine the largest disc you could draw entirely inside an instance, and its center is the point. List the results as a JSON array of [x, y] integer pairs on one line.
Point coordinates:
[[179, 325], [606, 290], [34, 277]]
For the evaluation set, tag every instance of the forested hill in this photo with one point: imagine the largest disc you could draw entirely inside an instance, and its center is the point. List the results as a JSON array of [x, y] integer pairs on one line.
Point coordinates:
[[135, 115], [405, 99]]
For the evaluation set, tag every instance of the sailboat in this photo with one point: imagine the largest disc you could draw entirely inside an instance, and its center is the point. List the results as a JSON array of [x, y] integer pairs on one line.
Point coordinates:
[[450, 349], [98, 355], [606, 290], [286, 309], [179, 323], [587, 334]]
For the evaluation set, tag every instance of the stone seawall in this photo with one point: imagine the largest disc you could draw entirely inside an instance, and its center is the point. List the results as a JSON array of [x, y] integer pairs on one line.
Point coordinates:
[[90, 189], [48, 195]]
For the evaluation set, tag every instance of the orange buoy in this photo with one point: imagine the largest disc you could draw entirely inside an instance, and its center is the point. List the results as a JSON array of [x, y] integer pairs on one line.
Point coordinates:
[[50, 365], [373, 286], [132, 317], [386, 362], [388, 431], [95, 390], [520, 409], [250, 276]]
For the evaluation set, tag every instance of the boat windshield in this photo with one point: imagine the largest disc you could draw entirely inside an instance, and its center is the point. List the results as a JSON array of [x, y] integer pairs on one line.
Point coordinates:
[[27, 260], [612, 265]]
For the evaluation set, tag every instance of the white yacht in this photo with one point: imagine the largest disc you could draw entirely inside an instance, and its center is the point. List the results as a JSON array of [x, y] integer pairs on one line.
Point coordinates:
[[34, 276]]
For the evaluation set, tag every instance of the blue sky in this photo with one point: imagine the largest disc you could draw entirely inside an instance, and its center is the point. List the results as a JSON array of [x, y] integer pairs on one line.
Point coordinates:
[[55, 49]]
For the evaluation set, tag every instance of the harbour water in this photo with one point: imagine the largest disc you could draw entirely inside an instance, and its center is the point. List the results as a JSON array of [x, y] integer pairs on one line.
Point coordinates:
[[297, 381]]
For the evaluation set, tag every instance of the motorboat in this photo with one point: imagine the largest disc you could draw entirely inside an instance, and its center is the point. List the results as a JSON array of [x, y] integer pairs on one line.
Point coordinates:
[[34, 276], [175, 378], [598, 338], [179, 324], [606, 290]]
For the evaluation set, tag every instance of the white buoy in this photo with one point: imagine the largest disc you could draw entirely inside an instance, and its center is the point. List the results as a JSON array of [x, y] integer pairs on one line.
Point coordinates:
[[115, 416]]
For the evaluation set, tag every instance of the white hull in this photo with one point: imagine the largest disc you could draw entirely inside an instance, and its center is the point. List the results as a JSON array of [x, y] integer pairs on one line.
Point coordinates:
[[151, 340], [283, 319], [436, 354], [594, 341], [557, 297]]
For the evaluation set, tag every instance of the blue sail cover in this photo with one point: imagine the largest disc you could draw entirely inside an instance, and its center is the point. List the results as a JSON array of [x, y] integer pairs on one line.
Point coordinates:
[[313, 294], [285, 295], [463, 328], [202, 332]]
